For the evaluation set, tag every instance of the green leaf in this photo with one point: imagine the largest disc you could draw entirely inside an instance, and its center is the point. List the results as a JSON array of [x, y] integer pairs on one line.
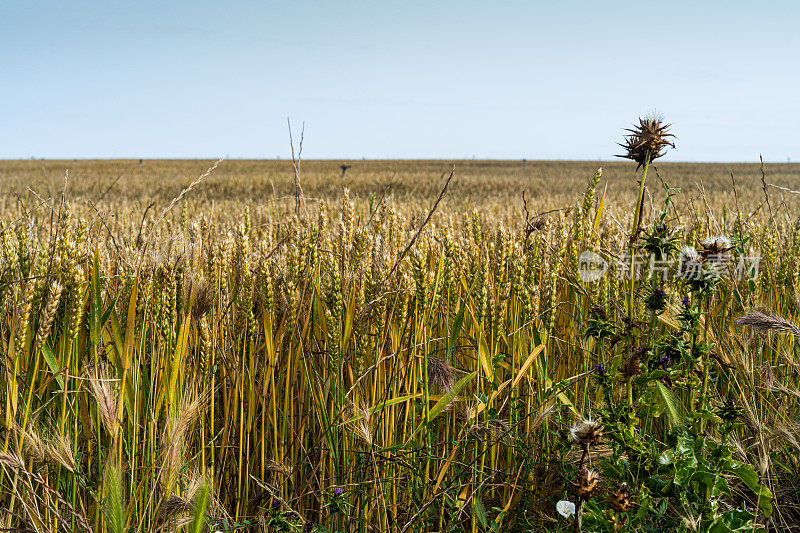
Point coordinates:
[[445, 400], [749, 477], [53, 364], [455, 330], [479, 510]]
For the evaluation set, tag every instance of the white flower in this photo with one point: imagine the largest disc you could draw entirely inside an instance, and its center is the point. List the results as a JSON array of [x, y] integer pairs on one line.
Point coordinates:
[[565, 508]]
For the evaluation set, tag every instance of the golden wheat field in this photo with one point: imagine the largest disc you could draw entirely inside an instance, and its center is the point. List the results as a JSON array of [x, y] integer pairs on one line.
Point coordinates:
[[403, 346]]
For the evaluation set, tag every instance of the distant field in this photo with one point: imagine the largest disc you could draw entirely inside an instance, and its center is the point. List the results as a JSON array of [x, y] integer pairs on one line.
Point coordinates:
[[494, 187]]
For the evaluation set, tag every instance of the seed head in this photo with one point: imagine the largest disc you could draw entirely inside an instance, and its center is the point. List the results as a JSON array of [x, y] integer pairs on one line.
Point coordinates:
[[765, 322], [715, 244], [633, 366], [586, 432], [647, 140], [690, 263], [715, 249], [621, 498], [587, 485], [440, 375]]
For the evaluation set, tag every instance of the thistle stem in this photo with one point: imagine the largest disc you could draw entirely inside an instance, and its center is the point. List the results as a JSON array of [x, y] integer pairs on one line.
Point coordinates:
[[636, 223]]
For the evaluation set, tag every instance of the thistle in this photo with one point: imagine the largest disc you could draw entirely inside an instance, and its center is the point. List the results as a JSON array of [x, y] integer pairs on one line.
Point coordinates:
[[588, 483], [657, 301], [633, 366], [690, 265], [643, 144], [586, 432], [648, 141], [715, 249], [620, 500]]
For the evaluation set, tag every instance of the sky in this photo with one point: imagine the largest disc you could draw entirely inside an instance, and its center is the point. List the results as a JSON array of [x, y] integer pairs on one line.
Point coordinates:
[[380, 79]]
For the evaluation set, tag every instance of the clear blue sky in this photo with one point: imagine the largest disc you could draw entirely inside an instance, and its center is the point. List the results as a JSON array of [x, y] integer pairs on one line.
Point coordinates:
[[547, 80]]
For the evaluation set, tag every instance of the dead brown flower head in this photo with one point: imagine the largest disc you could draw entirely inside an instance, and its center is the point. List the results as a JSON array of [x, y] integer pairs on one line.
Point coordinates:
[[715, 248], [648, 141], [633, 366], [620, 499], [588, 483], [586, 432]]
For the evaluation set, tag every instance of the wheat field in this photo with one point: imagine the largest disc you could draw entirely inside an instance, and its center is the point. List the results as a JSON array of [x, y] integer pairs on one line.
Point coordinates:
[[402, 346]]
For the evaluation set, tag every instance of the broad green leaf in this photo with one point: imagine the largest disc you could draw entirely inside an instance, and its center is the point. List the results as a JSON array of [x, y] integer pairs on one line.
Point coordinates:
[[749, 477]]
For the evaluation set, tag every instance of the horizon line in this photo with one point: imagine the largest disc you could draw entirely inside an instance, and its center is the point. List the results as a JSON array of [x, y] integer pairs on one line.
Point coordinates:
[[788, 161]]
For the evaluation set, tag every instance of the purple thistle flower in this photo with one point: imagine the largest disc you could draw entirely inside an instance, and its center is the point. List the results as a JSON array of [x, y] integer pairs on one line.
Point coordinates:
[[338, 491], [276, 504], [664, 361], [600, 369], [685, 301], [309, 526]]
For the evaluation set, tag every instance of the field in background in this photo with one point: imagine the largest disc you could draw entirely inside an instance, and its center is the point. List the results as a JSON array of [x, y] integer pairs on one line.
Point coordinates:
[[224, 360], [495, 187]]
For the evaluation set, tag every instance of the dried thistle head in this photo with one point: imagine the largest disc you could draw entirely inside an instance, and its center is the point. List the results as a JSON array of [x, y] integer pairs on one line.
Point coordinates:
[[633, 366], [620, 499], [586, 432], [648, 141], [715, 245], [588, 483], [440, 375], [689, 262]]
